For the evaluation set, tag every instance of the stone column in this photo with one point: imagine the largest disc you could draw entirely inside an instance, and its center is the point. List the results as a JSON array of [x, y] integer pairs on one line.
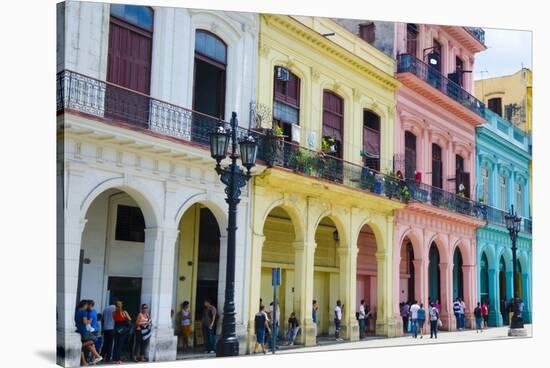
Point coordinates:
[[303, 289], [421, 281], [386, 324], [156, 291], [446, 290], [495, 316], [348, 281], [470, 294], [255, 286]]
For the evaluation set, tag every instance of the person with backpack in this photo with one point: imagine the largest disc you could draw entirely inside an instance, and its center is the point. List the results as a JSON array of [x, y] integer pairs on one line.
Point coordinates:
[[478, 317], [434, 317], [261, 325]]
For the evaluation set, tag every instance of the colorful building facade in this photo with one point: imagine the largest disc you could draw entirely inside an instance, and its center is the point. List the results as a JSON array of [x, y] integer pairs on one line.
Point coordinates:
[[503, 169]]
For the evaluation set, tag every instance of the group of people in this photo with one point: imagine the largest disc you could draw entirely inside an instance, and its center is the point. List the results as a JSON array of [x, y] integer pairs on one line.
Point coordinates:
[[209, 322], [112, 336], [514, 307], [364, 316], [414, 318], [265, 322]]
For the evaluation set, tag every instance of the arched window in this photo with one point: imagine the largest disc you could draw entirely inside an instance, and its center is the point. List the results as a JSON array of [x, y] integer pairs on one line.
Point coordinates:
[[410, 155], [286, 101], [371, 140], [333, 121], [209, 77]]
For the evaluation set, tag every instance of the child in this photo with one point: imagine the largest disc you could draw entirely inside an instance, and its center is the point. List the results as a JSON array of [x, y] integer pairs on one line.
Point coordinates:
[[185, 323]]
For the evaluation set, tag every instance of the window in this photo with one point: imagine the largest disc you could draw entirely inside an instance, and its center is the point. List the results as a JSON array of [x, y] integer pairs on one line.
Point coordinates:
[[141, 16], [462, 177], [130, 224], [286, 103], [333, 120], [485, 184], [437, 167], [366, 32], [437, 51], [495, 105], [503, 204], [410, 155], [519, 199], [210, 67], [412, 39], [371, 140], [459, 71]]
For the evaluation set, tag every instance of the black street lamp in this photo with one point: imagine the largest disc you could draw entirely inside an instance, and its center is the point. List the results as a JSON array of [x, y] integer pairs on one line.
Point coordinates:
[[234, 178], [513, 222]]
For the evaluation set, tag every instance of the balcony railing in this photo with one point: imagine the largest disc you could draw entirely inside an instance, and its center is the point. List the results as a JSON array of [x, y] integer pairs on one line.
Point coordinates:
[[477, 32], [430, 75], [111, 102], [506, 129], [496, 216]]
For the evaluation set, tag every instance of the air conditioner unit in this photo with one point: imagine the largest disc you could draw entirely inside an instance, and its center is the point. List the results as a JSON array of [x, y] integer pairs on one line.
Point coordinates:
[[282, 73]]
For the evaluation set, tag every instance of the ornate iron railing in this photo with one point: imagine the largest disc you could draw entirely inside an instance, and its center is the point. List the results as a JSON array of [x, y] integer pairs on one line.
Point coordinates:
[[497, 216], [477, 32], [409, 63]]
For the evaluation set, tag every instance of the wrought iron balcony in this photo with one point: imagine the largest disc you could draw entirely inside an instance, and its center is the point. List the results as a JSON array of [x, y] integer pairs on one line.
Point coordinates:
[[409, 63], [496, 216], [477, 32]]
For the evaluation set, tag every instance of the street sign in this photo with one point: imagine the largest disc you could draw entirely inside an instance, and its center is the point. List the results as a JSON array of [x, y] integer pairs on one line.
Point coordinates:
[[276, 276]]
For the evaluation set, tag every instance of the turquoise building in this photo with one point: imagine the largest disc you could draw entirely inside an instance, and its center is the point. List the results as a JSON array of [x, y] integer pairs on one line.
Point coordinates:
[[502, 173]]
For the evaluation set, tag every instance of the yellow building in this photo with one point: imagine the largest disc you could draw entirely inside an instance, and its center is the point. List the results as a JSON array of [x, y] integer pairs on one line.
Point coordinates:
[[326, 221], [509, 96]]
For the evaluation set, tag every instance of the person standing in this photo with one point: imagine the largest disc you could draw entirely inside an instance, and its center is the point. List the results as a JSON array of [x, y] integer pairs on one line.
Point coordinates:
[[485, 314], [122, 331], [437, 305], [293, 329], [434, 317], [462, 313], [274, 322], [142, 333], [314, 309], [362, 317], [185, 323], [94, 324], [456, 311], [478, 318], [421, 319], [503, 307], [209, 319], [108, 333], [511, 310], [261, 325], [338, 310], [86, 337], [414, 319], [404, 312]]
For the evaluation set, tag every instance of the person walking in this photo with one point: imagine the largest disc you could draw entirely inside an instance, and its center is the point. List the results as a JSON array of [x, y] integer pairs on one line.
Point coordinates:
[[261, 325], [293, 329], [209, 319], [434, 317], [421, 319], [86, 337], [414, 318], [404, 312], [485, 314], [478, 317], [185, 323], [123, 323], [338, 310], [511, 310], [362, 319], [142, 333], [108, 332]]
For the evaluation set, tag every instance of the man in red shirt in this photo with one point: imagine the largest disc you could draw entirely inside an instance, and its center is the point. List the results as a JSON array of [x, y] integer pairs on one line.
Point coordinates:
[[484, 313]]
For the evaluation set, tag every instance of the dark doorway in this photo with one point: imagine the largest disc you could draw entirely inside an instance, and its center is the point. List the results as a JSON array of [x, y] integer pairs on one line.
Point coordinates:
[[410, 264], [437, 167], [127, 290], [412, 39], [458, 277], [484, 279], [434, 274], [410, 155]]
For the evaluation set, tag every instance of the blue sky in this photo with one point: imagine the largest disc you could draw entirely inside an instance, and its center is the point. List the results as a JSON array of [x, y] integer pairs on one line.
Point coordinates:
[[506, 51]]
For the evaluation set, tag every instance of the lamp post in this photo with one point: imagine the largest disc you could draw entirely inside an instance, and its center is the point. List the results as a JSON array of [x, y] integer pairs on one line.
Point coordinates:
[[513, 222], [234, 178]]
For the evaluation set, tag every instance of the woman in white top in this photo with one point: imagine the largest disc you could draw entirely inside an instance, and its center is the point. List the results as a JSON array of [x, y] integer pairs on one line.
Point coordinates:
[[185, 323]]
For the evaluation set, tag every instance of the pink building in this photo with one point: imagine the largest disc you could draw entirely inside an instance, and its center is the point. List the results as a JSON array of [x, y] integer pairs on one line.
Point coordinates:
[[434, 239]]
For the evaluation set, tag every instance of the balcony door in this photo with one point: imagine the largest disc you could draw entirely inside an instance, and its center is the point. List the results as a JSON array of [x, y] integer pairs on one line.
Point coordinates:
[[371, 140], [333, 121], [437, 167], [129, 64], [461, 177], [412, 39], [410, 155], [286, 105]]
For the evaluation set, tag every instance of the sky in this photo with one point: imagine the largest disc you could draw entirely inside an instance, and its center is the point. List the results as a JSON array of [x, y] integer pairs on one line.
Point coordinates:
[[506, 51]]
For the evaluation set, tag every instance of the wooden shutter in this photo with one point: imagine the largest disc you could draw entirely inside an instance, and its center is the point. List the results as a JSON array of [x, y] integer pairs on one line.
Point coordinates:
[[410, 155], [437, 167]]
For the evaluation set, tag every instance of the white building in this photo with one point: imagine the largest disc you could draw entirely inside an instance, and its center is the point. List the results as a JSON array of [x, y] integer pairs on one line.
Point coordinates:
[[141, 211]]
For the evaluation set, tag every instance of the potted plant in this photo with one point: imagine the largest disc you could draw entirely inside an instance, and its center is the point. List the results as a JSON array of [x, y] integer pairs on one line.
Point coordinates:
[[301, 161], [328, 144], [405, 195], [273, 141]]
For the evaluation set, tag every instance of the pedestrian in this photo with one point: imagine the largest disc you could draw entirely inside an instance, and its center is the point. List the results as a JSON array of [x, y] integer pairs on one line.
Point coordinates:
[[209, 319], [511, 310], [362, 319], [293, 329], [478, 317], [123, 329], [94, 324], [437, 305], [413, 315], [521, 308], [369, 324], [261, 325], [462, 312], [421, 319], [338, 310], [142, 333], [434, 317], [86, 337], [485, 314], [108, 332], [404, 312], [274, 323], [185, 323], [314, 309]]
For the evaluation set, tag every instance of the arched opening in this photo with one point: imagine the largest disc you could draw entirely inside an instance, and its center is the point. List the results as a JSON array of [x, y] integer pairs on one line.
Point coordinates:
[[434, 274], [278, 251], [407, 278], [326, 275], [484, 279], [458, 277], [366, 275], [197, 269], [502, 289]]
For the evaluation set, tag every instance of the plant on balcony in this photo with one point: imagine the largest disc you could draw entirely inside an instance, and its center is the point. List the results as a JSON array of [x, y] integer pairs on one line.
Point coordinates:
[[273, 141], [328, 144], [302, 161], [367, 179], [405, 195]]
